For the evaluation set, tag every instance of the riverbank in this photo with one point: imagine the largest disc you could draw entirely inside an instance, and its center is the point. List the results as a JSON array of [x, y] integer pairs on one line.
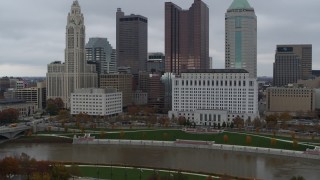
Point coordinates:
[[40, 139]]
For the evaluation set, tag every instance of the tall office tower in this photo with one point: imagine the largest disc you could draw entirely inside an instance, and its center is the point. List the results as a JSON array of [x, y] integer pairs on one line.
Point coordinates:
[[132, 41], [292, 62], [186, 37], [99, 51], [241, 37], [75, 73]]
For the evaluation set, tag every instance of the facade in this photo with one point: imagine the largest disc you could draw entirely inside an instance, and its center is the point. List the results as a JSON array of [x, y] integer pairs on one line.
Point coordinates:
[[292, 100], [214, 90], [4, 84], [166, 80], [75, 73], [35, 95], [24, 108], [21, 84], [292, 63], [155, 62], [155, 92], [241, 37], [186, 37], [121, 82], [132, 41], [99, 51], [140, 98], [96, 102]]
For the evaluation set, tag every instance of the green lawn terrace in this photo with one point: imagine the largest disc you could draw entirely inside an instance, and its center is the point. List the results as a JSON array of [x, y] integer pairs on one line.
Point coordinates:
[[226, 137]]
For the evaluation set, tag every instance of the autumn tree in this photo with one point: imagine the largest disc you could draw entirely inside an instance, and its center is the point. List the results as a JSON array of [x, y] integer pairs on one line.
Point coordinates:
[[225, 138], [63, 114], [285, 116], [273, 141], [102, 135], [257, 122], [182, 120], [9, 167], [239, 122], [133, 110], [272, 120], [9, 115], [248, 140], [52, 108], [122, 134], [59, 171]]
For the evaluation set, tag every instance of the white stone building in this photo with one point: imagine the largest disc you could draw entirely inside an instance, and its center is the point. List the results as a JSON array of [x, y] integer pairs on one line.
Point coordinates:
[[214, 94], [96, 102]]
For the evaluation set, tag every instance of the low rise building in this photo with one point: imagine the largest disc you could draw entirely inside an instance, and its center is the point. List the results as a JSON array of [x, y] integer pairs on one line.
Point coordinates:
[[224, 93], [24, 108], [292, 100], [96, 102]]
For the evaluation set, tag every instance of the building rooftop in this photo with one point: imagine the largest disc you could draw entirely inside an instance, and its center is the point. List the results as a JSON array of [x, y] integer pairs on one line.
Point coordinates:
[[240, 4], [215, 71]]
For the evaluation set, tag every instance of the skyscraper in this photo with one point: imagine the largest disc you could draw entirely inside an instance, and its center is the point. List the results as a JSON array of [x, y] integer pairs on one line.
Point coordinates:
[[186, 37], [75, 73], [132, 41], [99, 51], [292, 62], [241, 37]]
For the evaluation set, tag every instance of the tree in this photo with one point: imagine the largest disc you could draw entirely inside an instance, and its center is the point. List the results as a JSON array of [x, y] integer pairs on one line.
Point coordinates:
[[63, 114], [133, 110], [238, 122], [182, 120], [59, 103], [122, 134], [209, 178], [102, 135], [224, 124], [52, 108], [9, 167], [272, 120], [248, 140], [74, 170], [285, 116], [59, 172], [9, 115], [297, 178], [257, 122], [165, 136], [225, 138], [295, 143], [273, 142]]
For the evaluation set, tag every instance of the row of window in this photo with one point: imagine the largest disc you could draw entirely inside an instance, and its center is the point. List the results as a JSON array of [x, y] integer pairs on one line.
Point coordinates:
[[212, 83]]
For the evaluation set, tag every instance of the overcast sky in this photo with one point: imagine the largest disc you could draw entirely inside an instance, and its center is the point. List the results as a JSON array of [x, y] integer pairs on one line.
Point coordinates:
[[32, 32]]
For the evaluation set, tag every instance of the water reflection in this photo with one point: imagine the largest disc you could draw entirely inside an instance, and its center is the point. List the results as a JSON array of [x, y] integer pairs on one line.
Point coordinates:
[[203, 160]]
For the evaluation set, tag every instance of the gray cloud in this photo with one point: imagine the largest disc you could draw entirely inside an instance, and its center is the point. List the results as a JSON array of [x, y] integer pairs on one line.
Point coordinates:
[[32, 33]]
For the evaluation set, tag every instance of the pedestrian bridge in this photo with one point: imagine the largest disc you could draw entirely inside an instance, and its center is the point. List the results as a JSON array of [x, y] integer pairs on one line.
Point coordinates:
[[13, 132]]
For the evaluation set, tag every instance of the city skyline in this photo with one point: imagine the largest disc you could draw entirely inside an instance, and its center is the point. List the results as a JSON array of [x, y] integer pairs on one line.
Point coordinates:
[[33, 36]]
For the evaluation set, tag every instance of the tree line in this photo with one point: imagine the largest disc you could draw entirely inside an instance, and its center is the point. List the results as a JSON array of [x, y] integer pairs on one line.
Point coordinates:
[[24, 167]]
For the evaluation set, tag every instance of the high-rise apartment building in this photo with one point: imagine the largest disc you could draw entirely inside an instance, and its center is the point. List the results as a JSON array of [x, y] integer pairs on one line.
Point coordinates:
[[241, 37], [99, 51], [64, 78], [292, 63], [186, 37], [132, 41]]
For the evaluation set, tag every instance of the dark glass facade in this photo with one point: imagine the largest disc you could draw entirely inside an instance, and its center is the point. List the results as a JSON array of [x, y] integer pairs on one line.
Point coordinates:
[[186, 37]]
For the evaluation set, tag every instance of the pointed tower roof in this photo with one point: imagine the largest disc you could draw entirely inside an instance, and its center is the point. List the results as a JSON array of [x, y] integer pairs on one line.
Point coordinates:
[[240, 4]]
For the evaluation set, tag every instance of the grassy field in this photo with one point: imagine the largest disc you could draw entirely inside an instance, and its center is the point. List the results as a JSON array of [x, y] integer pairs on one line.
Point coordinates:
[[118, 173], [233, 138]]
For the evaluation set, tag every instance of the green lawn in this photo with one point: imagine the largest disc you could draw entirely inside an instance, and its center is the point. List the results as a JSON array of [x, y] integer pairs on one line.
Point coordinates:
[[116, 173], [234, 139]]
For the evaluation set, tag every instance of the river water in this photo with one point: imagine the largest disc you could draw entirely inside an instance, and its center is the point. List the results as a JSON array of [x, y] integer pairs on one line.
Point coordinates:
[[234, 163]]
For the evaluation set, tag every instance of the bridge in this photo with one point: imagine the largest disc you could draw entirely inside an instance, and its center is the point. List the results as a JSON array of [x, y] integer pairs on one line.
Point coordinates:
[[13, 132]]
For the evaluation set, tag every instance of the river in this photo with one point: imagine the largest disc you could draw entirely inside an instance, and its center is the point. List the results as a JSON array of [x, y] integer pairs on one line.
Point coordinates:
[[234, 163]]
